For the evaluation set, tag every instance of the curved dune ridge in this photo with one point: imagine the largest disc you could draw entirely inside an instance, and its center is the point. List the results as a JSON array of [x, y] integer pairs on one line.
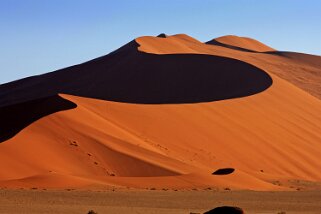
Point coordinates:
[[16, 117], [145, 78], [240, 43], [268, 141]]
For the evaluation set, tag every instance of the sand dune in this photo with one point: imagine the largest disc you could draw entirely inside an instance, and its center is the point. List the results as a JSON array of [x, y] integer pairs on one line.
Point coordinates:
[[142, 77], [170, 135], [302, 70], [240, 43], [16, 117]]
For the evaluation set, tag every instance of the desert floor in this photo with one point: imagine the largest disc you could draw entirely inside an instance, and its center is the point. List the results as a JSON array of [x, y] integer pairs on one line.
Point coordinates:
[[155, 201]]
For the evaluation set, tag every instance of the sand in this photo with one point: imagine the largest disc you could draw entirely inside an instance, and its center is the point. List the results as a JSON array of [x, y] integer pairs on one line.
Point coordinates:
[[241, 43], [116, 135], [302, 70], [156, 202]]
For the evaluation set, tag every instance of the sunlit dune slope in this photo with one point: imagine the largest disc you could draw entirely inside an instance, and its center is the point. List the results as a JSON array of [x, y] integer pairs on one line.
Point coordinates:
[[270, 137], [240, 43]]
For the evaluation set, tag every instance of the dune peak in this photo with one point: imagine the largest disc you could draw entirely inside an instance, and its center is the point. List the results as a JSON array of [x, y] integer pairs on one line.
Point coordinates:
[[240, 43], [162, 35]]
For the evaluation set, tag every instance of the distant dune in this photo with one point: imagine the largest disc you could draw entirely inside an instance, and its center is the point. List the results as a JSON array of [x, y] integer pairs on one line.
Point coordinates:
[[167, 112], [240, 43]]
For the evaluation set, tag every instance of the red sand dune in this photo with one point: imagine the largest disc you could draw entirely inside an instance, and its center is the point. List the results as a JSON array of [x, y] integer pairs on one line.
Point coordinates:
[[156, 135], [145, 78], [241, 43]]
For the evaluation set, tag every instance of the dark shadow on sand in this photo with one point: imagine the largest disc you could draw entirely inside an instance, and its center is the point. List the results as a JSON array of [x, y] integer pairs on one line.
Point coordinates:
[[130, 76], [16, 117]]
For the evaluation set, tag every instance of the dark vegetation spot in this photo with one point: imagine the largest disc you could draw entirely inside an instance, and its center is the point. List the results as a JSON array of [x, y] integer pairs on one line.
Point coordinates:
[[92, 212], [223, 171], [112, 174], [225, 210], [96, 163], [261, 170]]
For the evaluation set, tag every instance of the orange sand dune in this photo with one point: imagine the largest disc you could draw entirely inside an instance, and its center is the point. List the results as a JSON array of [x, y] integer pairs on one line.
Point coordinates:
[[271, 138], [241, 43], [302, 70], [141, 79]]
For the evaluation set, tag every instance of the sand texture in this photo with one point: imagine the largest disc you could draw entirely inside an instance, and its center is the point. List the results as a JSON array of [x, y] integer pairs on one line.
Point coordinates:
[[156, 202]]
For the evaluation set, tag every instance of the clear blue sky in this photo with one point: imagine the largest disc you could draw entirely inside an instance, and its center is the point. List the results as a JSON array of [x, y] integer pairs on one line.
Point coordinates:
[[38, 36]]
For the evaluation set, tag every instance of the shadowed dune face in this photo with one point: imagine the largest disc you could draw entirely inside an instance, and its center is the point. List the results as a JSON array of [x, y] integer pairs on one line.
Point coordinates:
[[180, 78], [302, 70], [131, 76], [16, 117]]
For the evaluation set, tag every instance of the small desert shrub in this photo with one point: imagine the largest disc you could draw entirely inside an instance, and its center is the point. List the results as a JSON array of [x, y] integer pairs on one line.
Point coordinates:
[[92, 212]]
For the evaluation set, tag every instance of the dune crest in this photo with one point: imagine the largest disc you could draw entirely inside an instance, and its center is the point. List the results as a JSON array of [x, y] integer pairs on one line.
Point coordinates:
[[15, 118], [240, 43], [302, 70], [146, 78]]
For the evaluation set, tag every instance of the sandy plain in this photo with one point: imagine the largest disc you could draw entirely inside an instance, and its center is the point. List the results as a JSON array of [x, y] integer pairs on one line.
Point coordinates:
[[156, 201]]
